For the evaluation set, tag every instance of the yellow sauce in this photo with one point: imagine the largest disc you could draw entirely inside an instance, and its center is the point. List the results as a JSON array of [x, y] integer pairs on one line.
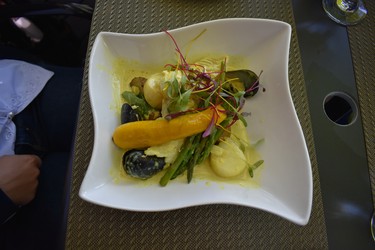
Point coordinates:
[[123, 72]]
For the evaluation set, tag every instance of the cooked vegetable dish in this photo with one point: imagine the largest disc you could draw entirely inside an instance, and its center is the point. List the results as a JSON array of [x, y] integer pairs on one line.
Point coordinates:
[[193, 110]]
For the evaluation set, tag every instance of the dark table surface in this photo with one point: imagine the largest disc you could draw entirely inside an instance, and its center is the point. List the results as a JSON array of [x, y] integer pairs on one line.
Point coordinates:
[[341, 154], [340, 150]]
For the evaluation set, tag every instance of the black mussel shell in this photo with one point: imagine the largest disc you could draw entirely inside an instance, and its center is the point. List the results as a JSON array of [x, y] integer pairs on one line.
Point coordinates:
[[141, 166], [128, 114], [243, 80]]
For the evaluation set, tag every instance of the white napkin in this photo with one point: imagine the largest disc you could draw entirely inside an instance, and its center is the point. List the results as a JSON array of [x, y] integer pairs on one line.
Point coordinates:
[[20, 83]]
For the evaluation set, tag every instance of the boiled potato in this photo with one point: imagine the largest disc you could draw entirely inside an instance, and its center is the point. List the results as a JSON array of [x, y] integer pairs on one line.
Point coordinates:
[[152, 90], [155, 86], [227, 159]]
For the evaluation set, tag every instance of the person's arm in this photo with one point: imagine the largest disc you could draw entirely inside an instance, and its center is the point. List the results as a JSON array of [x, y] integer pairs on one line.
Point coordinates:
[[18, 182]]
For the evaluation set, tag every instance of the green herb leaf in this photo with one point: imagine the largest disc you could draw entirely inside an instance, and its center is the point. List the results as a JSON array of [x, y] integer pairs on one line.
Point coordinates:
[[251, 172], [184, 98], [183, 80], [180, 103], [133, 100], [254, 166], [242, 119]]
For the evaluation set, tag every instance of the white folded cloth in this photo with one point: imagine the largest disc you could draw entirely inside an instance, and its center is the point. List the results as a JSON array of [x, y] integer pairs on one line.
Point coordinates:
[[20, 83]]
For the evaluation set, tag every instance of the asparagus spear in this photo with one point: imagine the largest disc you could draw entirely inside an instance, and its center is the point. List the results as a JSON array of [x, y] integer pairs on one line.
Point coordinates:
[[194, 160], [184, 164], [212, 139], [186, 147], [194, 151]]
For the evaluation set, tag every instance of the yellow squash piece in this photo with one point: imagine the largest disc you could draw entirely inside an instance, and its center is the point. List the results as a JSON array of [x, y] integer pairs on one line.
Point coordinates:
[[142, 134]]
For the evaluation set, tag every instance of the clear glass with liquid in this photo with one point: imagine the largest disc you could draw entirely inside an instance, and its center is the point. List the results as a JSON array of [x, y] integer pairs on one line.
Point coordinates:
[[345, 12]]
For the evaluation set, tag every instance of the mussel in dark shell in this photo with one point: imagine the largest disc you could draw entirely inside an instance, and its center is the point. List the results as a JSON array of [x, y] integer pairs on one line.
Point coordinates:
[[242, 80], [128, 114], [141, 166]]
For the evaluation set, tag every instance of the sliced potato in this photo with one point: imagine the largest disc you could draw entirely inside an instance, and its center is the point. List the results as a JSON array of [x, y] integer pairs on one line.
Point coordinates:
[[227, 159]]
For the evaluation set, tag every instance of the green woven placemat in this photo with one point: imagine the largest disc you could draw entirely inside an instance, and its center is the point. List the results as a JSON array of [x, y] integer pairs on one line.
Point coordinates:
[[204, 227], [362, 45]]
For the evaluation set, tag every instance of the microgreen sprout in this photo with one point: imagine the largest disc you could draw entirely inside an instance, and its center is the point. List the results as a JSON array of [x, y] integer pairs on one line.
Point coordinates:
[[254, 166], [208, 89], [255, 85]]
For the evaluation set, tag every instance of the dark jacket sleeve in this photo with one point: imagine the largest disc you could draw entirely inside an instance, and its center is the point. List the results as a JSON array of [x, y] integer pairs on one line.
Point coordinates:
[[7, 207]]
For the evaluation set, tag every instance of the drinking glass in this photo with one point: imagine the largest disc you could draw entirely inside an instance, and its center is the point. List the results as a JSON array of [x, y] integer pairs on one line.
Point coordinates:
[[345, 12]]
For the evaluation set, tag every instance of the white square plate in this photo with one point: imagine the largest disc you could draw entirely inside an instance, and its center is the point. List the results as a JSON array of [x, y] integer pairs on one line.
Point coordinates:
[[285, 181]]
